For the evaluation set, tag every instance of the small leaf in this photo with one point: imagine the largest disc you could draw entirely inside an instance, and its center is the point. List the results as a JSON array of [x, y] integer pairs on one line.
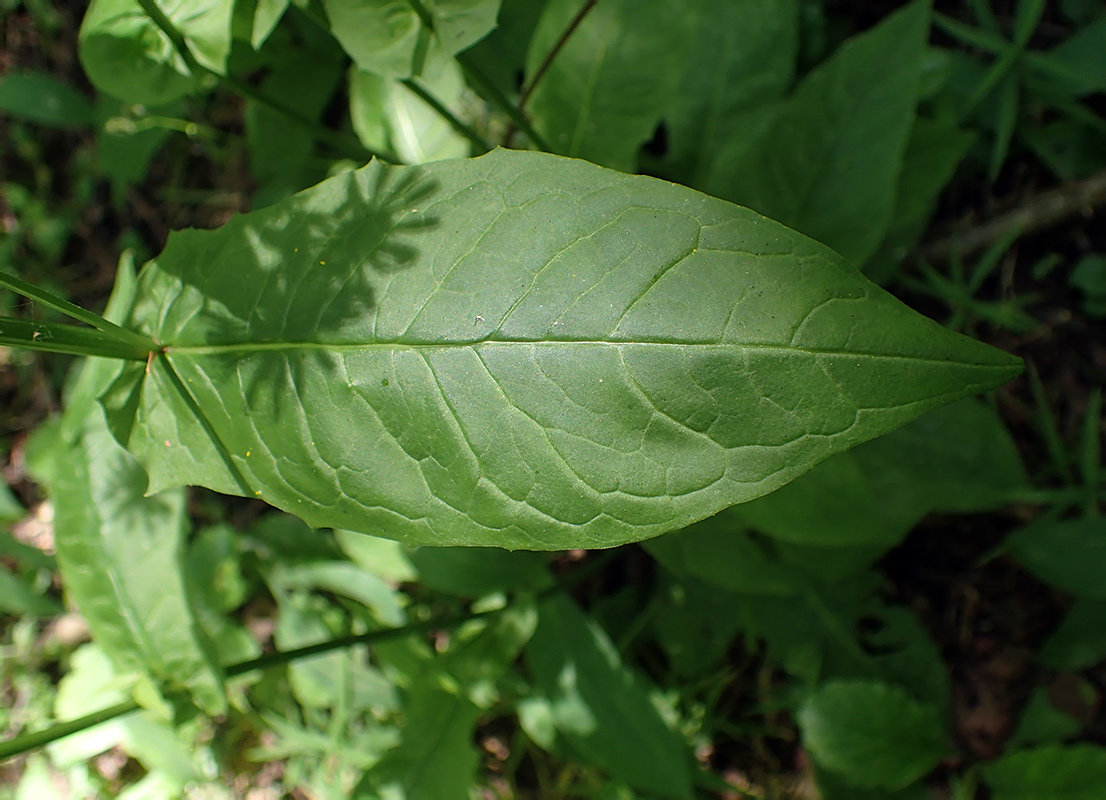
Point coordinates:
[[520, 350], [387, 37], [1056, 772], [873, 734], [435, 759], [600, 706], [484, 650], [389, 116], [1070, 555]]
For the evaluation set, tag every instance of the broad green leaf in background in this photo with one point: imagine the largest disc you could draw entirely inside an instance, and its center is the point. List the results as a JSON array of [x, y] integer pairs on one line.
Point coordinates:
[[608, 88], [387, 37], [600, 706], [501, 55], [305, 79], [44, 100], [874, 735], [519, 350], [1070, 555], [1054, 772], [960, 458], [694, 623], [388, 116], [721, 552], [743, 58], [935, 149], [119, 551], [829, 164], [464, 572], [126, 55]]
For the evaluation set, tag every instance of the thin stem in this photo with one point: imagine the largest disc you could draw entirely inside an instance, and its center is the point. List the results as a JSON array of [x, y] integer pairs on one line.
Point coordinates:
[[443, 112], [513, 112], [554, 51], [1044, 210], [345, 144], [489, 89], [30, 741], [32, 292], [549, 58], [282, 657]]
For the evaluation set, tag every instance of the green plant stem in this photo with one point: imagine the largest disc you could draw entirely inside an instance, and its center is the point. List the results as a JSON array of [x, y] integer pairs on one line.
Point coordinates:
[[69, 340], [513, 112], [281, 657], [108, 329], [477, 77], [347, 145], [465, 130], [562, 40], [31, 741]]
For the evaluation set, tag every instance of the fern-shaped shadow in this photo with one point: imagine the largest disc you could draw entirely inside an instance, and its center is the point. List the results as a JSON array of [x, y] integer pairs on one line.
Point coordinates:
[[279, 285]]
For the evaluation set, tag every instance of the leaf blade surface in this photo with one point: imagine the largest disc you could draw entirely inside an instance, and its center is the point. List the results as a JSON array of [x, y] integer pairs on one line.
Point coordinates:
[[519, 350]]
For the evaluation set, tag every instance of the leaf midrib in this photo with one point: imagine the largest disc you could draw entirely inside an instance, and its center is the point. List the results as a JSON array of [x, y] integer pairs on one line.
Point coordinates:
[[255, 347]]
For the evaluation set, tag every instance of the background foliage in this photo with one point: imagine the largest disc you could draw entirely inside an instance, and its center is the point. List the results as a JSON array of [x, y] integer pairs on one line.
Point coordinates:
[[920, 616]]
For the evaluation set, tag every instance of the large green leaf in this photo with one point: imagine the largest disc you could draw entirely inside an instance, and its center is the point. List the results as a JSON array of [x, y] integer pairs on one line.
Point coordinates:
[[126, 55], [119, 551], [518, 350], [829, 163], [608, 88], [743, 58]]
